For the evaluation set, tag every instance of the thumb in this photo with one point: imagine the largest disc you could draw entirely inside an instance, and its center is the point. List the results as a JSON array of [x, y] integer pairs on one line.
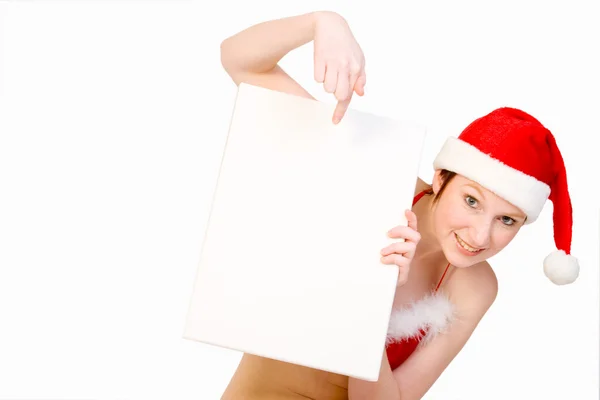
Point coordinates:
[[359, 86]]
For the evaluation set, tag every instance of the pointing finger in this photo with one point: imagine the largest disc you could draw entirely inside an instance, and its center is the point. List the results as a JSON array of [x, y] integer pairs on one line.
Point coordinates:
[[340, 109]]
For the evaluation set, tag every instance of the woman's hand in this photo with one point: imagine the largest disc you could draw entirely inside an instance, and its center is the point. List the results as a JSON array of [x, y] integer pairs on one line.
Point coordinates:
[[339, 60], [402, 253]]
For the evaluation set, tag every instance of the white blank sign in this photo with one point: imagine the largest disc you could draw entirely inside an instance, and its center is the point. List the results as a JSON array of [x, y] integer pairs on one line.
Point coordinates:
[[290, 265]]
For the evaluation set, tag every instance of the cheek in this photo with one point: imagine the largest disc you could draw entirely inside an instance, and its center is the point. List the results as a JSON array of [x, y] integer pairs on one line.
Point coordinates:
[[450, 217], [439, 220], [503, 237]]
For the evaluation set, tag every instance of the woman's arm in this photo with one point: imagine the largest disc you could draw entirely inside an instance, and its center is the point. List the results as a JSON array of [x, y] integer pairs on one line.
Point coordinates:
[[252, 55], [472, 291]]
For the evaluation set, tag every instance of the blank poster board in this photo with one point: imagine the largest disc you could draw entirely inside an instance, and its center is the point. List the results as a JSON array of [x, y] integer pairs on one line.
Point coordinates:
[[290, 265]]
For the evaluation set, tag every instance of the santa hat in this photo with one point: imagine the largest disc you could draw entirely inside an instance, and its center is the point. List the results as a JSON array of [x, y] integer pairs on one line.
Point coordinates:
[[513, 155]]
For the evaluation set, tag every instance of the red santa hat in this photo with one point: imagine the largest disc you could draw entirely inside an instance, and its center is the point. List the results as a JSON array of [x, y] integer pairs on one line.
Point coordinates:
[[513, 155]]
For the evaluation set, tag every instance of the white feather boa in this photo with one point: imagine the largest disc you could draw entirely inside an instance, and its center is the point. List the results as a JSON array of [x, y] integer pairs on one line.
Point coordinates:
[[433, 313]]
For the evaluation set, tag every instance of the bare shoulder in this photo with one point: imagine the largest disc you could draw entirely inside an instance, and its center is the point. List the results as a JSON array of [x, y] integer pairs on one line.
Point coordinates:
[[473, 289]]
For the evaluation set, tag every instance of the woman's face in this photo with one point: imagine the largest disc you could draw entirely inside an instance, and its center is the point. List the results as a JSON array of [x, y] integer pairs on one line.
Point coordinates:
[[471, 223]]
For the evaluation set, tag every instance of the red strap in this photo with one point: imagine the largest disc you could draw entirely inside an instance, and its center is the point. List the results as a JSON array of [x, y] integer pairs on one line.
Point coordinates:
[[442, 278], [419, 195]]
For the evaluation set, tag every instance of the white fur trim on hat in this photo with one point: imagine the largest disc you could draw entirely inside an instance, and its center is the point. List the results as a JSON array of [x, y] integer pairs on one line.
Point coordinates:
[[561, 268], [516, 187]]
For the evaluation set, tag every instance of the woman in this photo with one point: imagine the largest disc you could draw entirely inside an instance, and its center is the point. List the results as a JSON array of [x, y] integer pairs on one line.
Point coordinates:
[[490, 181]]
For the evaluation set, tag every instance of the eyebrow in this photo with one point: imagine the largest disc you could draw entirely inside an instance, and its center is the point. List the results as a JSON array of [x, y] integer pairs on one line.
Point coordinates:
[[476, 188]]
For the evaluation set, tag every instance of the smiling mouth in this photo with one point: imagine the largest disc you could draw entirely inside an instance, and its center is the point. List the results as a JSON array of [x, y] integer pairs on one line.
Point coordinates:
[[465, 246]]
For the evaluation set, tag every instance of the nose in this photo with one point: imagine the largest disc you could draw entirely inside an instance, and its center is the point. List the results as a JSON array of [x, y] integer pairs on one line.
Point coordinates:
[[480, 234]]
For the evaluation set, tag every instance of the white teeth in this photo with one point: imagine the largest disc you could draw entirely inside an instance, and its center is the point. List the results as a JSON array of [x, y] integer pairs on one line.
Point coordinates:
[[465, 246]]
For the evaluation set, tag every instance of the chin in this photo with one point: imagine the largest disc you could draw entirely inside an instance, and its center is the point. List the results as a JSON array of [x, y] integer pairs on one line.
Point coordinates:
[[459, 261]]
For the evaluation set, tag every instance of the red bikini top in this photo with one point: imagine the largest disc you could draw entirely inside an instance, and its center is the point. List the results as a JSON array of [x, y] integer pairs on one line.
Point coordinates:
[[399, 351]]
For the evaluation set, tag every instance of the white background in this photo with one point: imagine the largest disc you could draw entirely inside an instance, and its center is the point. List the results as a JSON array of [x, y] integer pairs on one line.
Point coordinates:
[[113, 118]]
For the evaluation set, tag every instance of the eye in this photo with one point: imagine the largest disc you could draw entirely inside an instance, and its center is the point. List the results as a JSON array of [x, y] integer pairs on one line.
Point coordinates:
[[471, 201], [507, 220]]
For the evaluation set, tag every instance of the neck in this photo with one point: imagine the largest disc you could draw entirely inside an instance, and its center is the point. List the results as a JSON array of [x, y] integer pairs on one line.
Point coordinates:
[[429, 250]]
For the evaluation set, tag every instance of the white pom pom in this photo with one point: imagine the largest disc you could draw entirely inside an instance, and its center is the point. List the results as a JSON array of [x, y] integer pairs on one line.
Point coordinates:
[[561, 268]]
